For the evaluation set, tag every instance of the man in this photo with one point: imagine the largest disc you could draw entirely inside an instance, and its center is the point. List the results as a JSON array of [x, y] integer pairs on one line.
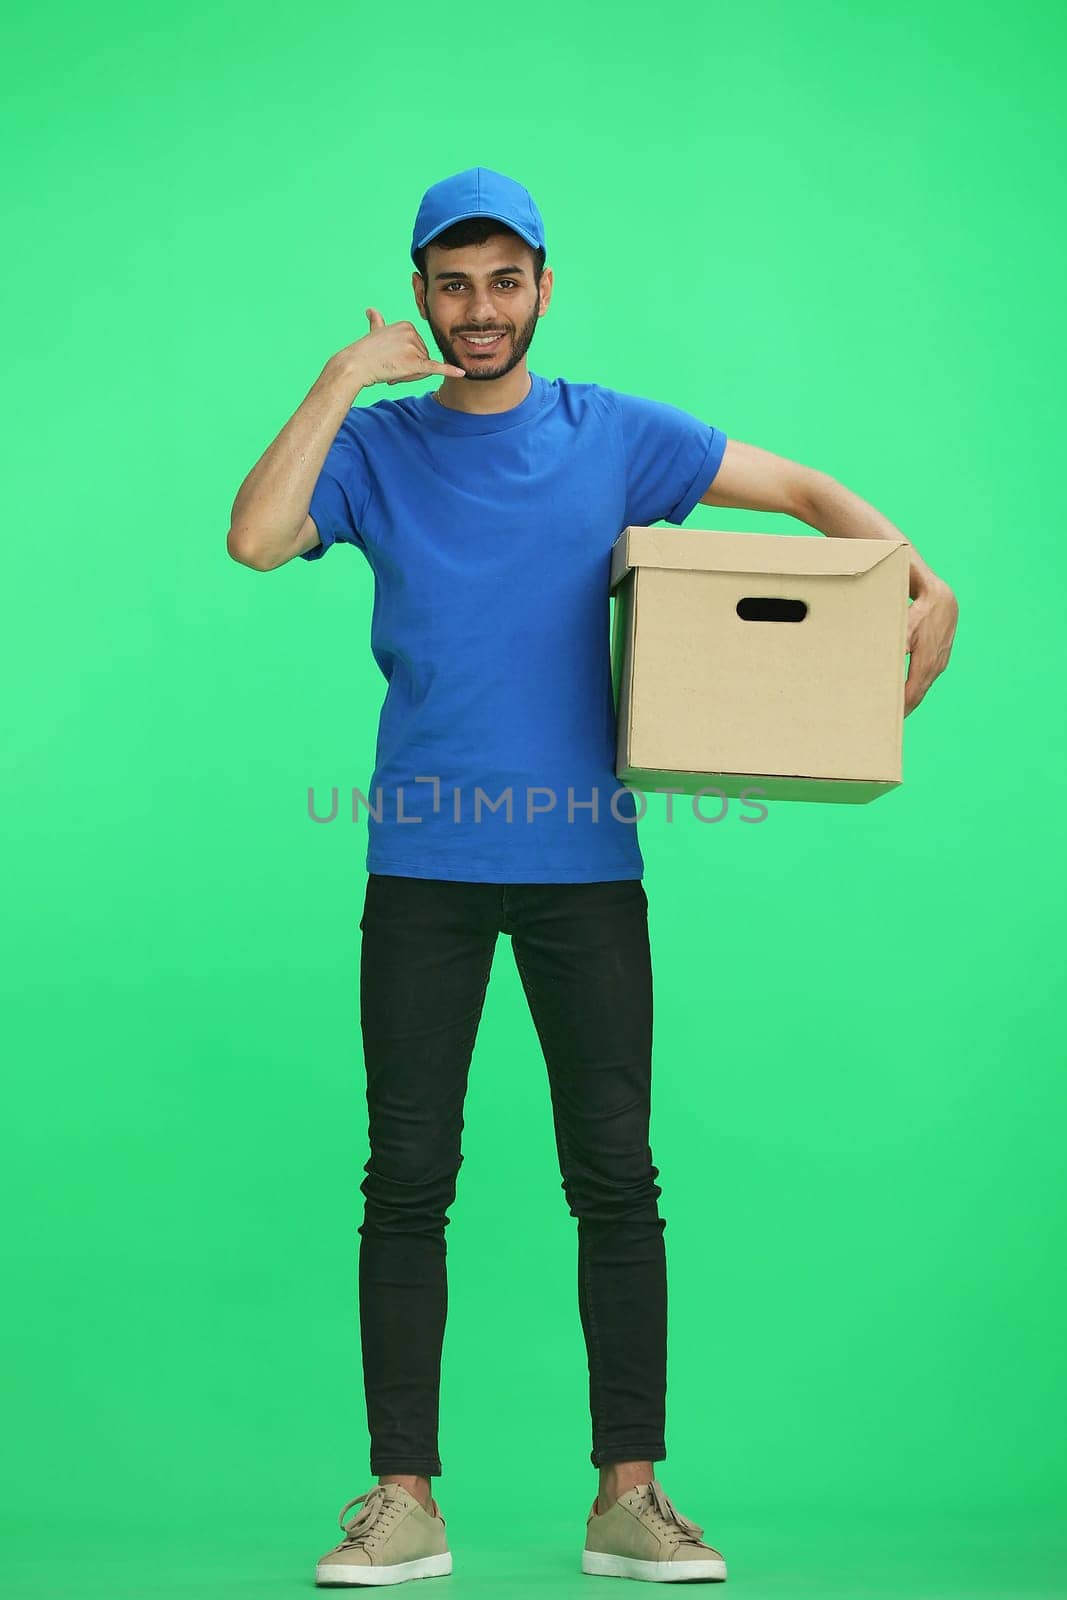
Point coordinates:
[[487, 510]]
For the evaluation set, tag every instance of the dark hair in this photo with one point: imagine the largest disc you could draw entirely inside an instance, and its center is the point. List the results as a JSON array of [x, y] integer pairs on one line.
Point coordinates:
[[476, 230]]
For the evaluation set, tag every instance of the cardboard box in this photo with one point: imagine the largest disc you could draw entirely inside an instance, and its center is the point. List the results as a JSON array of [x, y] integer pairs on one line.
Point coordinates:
[[771, 662]]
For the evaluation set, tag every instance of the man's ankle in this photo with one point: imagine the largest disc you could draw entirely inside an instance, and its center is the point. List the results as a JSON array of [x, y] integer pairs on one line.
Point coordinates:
[[619, 1480], [417, 1486]]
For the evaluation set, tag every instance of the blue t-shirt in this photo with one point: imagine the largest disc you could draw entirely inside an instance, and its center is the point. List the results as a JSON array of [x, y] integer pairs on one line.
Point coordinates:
[[490, 542]]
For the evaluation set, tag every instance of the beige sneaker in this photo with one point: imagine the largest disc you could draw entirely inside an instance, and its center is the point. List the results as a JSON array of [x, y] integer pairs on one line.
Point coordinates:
[[391, 1539], [643, 1536]]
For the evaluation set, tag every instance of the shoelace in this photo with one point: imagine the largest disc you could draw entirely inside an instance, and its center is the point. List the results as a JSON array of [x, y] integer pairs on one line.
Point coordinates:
[[372, 1522], [676, 1524]]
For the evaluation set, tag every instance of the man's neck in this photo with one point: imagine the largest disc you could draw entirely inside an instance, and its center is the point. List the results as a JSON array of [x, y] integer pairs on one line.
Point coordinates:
[[496, 413]]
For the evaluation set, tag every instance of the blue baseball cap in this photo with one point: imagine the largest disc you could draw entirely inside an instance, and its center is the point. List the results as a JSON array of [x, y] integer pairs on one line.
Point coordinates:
[[478, 192]]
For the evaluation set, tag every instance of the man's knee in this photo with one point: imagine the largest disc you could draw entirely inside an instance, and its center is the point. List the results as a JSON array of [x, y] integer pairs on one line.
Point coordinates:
[[409, 1195]]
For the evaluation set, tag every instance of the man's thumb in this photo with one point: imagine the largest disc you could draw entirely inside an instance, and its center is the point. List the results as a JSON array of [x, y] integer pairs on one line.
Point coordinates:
[[375, 318]]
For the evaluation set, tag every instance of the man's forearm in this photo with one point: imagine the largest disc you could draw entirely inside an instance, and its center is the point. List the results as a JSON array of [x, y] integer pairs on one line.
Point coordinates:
[[273, 500], [840, 514]]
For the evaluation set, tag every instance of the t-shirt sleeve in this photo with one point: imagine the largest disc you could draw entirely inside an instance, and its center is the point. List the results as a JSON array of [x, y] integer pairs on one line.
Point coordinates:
[[342, 490], [671, 458]]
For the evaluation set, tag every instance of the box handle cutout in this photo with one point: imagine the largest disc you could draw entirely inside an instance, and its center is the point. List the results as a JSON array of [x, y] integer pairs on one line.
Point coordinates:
[[771, 608]]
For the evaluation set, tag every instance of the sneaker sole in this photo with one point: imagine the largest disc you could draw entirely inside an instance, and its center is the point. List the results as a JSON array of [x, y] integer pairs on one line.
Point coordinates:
[[425, 1567], [608, 1566]]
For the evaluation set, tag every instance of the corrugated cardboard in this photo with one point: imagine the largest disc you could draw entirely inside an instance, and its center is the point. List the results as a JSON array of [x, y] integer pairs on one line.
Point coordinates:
[[770, 662]]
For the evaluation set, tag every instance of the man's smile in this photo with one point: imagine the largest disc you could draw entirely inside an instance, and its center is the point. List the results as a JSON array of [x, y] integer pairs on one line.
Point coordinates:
[[481, 344]]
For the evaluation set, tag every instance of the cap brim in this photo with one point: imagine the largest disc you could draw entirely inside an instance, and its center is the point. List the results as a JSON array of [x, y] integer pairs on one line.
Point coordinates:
[[465, 216]]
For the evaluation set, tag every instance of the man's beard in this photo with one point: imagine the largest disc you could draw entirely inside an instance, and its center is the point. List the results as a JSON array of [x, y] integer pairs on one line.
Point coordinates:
[[512, 353]]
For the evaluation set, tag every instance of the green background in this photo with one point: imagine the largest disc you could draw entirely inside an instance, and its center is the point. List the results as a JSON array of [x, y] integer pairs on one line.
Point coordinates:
[[833, 232]]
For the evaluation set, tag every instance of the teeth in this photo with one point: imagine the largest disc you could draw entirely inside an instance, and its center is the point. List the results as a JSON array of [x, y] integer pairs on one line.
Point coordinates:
[[491, 340]]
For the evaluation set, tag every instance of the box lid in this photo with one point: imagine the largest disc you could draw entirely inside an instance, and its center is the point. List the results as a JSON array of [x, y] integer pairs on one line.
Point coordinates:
[[703, 550]]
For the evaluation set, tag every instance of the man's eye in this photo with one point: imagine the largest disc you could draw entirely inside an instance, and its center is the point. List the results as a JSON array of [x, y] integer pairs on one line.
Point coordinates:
[[458, 285]]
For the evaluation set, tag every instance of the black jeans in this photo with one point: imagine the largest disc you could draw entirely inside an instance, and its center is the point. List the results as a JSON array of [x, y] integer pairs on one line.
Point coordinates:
[[582, 952]]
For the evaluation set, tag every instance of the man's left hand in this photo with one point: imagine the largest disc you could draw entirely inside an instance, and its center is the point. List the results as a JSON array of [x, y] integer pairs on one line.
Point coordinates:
[[932, 618]]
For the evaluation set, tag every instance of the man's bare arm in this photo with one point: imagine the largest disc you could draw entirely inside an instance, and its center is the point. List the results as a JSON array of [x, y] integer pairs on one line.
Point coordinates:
[[269, 523]]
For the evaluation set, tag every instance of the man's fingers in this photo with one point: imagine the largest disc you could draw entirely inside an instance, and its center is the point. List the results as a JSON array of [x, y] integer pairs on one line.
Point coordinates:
[[444, 367], [402, 355], [917, 681]]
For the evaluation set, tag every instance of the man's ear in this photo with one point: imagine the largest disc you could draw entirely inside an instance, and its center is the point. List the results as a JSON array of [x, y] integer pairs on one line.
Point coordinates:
[[546, 285], [417, 283]]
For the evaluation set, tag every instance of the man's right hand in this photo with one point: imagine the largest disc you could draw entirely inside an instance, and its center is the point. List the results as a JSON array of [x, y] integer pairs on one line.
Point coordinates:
[[393, 352]]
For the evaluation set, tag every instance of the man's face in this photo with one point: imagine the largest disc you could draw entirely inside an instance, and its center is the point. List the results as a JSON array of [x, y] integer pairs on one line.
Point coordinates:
[[483, 289]]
